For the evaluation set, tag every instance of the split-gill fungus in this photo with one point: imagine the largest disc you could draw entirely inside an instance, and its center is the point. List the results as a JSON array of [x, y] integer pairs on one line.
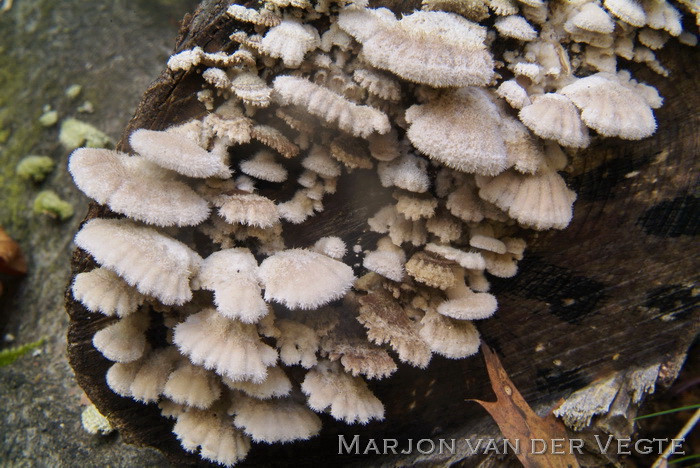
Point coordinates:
[[461, 123]]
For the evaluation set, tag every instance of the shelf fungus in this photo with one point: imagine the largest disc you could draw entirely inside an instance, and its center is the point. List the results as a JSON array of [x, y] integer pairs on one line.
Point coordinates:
[[226, 236]]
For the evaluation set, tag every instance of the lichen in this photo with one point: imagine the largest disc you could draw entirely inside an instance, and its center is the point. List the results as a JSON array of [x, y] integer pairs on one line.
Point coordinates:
[[75, 133], [35, 167], [49, 203]]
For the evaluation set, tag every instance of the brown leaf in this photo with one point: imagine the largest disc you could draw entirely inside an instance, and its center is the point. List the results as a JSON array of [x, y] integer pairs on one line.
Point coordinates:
[[518, 422], [12, 261]]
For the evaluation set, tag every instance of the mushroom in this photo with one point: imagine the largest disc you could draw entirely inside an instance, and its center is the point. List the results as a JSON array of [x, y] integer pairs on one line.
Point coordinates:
[[554, 117], [277, 420], [263, 166], [464, 304], [172, 151], [103, 291], [331, 107], [275, 385], [297, 343], [435, 48], [348, 397], [124, 340], [214, 434], [454, 339], [302, 279], [388, 260], [290, 40], [136, 188], [233, 276], [192, 386], [157, 265], [231, 348]]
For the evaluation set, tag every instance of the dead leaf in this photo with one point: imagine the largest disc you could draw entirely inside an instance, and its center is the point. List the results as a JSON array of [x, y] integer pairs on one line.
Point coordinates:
[[12, 261], [517, 421]]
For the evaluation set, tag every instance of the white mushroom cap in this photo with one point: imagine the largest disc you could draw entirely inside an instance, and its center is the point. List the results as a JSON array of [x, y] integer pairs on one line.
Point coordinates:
[[320, 162], [435, 48], [298, 209], [446, 227], [302, 279], [515, 27], [610, 108], [251, 89], [358, 120], [272, 421], [513, 93], [192, 386], [465, 304], [249, 209], [469, 260], [297, 344], [262, 17], [388, 260], [348, 397], [414, 207], [465, 204], [524, 151], [554, 117], [331, 246], [454, 339], [157, 265], [143, 380], [663, 15], [408, 172], [177, 153], [124, 340], [233, 276], [591, 17], [460, 130], [263, 166], [136, 187], [629, 11], [290, 40], [102, 290], [387, 322], [231, 348], [377, 83], [220, 442], [276, 384], [541, 201]]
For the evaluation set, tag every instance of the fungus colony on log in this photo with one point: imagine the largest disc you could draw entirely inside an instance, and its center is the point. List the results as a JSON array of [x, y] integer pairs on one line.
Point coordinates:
[[468, 142]]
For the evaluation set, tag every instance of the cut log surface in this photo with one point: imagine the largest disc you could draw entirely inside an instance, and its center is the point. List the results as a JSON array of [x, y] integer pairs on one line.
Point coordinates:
[[616, 290]]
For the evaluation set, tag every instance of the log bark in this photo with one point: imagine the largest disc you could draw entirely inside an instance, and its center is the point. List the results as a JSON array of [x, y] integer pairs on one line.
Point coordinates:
[[615, 291]]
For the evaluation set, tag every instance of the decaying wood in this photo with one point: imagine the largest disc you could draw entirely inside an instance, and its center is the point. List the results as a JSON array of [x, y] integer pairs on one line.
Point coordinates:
[[614, 293]]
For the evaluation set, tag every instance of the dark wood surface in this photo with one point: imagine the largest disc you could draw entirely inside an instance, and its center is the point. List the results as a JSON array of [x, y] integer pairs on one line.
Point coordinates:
[[614, 291]]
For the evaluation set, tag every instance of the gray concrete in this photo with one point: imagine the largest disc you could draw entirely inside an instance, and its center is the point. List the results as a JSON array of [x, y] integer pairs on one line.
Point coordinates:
[[113, 49]]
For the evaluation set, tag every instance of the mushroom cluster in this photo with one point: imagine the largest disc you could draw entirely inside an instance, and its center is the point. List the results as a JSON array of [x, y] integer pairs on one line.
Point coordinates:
[[468, 141]]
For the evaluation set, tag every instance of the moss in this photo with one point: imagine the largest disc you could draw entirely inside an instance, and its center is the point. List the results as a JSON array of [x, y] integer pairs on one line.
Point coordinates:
[[10, 355], [20, 131], [76, 133], [49, 203], [35, 167]]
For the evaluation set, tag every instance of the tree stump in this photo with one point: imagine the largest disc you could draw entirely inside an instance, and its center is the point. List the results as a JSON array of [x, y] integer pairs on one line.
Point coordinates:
[[614, 291]]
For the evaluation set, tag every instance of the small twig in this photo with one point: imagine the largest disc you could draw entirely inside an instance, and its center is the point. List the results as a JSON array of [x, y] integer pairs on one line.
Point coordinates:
[[662, 460]]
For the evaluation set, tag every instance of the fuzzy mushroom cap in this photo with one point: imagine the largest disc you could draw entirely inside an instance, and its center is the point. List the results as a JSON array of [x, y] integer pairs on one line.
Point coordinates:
[[102, 290], [435, 48], [136, 187], [157, 265], [177, 153], [610, 108], [302, 279], [554, 117], [220, 442], [461, 131], [272, 421], [348, 397]]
